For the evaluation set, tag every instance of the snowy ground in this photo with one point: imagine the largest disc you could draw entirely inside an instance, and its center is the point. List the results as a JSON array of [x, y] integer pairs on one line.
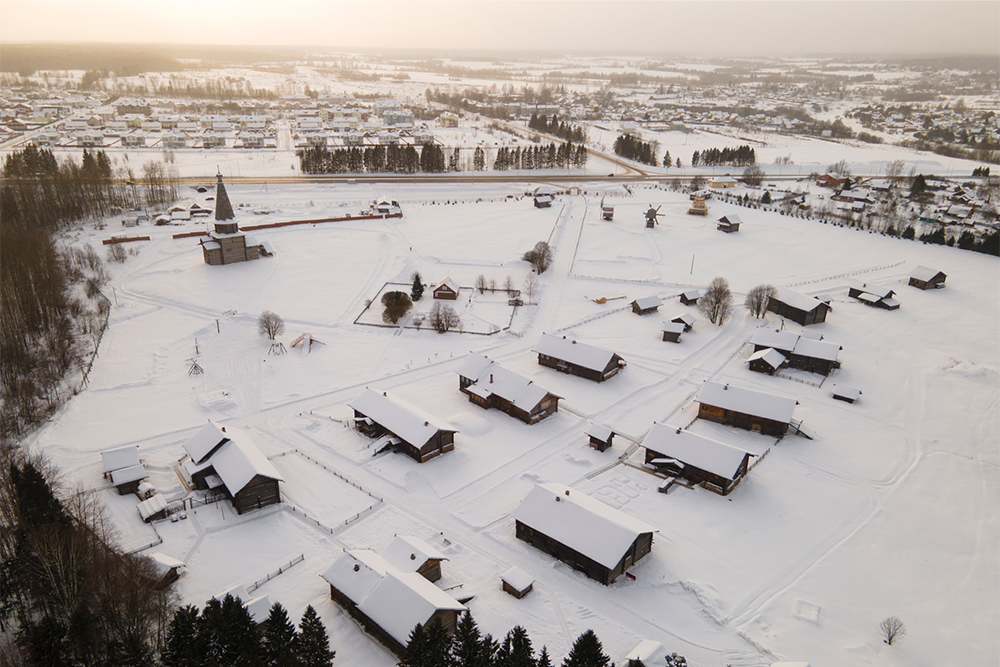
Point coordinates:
[[891, 510]]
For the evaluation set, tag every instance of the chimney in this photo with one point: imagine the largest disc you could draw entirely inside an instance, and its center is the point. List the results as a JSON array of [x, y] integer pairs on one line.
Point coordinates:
[[223, 429], [427, 424], [726, 388], [491, 378], [385, 394], [567, 492]]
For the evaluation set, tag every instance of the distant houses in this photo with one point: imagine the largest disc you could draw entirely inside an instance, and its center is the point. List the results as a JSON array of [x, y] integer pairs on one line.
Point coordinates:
[[387, 601], [797, 307], [925, 278], [873, 295], [575, 358], [700, 460], [226, 459], [746, 409], [489, 385], [798, 351], [586, 534], [401, 426]]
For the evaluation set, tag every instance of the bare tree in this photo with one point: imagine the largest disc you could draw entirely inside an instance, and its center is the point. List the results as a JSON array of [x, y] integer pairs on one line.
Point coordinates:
[[892, 630], [443, 318], [753, 176], [540, 257], [840, 168], [758, 298], [894, 170], [508, 286], [481, 283], [396, 305], [270, 324], [530, 286], [116, 253], [716, 302]]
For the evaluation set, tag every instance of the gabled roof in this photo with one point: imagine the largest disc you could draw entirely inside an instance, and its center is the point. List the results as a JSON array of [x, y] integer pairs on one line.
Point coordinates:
[[491, 378], [925, 274], [408, 553], [120, 457], [880, 291], [408, 422], [748, 402], [710, 455], [579, 354], [673, 327], [449, 283], [238, 461], [796, 300], [770, 356], [648, 302], [151, 506], [793, 343], [599, 431], [205, 441], [129, 474], [732, 219], [691, 293], [778, 339], [686, 318], [584, 524]]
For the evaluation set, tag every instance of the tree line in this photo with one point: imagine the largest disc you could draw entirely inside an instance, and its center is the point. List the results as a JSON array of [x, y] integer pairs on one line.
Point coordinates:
[[633, 148], [434, 159], [560, 129], [741, 156], [541, 157]]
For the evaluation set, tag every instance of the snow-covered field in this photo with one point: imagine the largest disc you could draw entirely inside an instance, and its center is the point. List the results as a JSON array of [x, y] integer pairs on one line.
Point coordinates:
[[891, 510]]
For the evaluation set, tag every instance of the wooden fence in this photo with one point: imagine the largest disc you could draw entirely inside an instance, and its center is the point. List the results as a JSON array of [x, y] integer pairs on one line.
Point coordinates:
[[271, 575]]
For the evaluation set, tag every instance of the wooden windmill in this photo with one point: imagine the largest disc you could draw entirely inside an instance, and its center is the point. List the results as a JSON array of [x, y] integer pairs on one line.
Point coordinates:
[[651, 216]]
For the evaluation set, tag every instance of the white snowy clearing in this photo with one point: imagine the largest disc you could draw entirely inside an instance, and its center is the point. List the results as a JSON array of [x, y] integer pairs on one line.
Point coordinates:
[[892, 510]]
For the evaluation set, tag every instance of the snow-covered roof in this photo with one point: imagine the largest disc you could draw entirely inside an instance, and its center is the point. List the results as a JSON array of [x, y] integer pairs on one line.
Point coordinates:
[[793, 343], [408, 553], [691, 294], [205, 441], [449, 283], [406, 421], [924, 273], [544, 190], [648, 302], [881, 291], [686, 318], [770, 356], [816, 349], [120, 457], [732, 219], [710, 455], [580, 354], [164, 563], [796, 300], [239, 461], [395, 600], [151, 506], [599, 431], [259, 608], [491, 378], [129, 474], [584, 524], [649, 652], [778, 339], [673, 327], [748, 402], [517, 578], [238, 591], [844, 391]]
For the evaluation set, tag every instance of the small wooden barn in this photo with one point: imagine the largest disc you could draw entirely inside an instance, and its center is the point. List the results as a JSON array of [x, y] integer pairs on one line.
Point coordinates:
[[715, 465], [600, 437], [687, 319], [167, 567], [926, 278], [386, 601], [690, 297], [672, 331], [570, 356], [402, 426], [122, 467], [516, 582], [841, 392], [153, 508], [746, 409], [226, 459], [543, 196], [648, 653], [797, 307], [447, 290], [583, 532], [729, 223], [489, 385], [646, 305], [801, 352], [767, 360], [412, 554], [870, 294]]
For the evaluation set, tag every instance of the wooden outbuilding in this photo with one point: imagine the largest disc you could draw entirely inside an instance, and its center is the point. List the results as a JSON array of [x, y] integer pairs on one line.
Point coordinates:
[[153, 508], [797, 307], [672, 331], [447, 290], [570, 356], [412, 554], [841, 392], [127, 480], [489, 385], [925, 278], [646, 305], [870, 294], [687, 319], [226, 459], [401, 426], [690, 297], [123, 468], [516, 582], [729, 223], [168, 568], [600, 437], [586, 534], [746, 409], [767, 360], [386, 601], [648, 653], [714, 465], [801, 352]]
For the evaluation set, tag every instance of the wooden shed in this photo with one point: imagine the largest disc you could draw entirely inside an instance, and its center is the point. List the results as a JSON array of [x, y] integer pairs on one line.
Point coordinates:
[[586, 534], [767, 360], [386, 601], [870, 294], [489, 385], [925, 278], [729, 223], [122, 467], [841, 392], [715, 465], [646, 305], [575, 358], [797, 307], [746, 409], [687, 319], [516, 582], [690, 297], [447, 289], [801, 352], [600, 437], [402, 426]]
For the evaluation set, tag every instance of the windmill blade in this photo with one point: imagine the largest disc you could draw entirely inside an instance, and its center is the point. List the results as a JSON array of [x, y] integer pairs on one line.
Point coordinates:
[[657, 208]]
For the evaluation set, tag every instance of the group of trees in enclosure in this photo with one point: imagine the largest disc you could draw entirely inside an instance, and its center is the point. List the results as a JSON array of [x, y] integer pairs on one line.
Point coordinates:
[[633, 148], [741, 156], [541, 157], [225, 634], [563, 130], [431, 647]]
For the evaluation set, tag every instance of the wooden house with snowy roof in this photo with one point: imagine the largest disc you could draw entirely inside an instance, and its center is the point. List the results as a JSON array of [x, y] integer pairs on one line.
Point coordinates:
[[689, 297], [925, 278], [226, 459], [798, 307], [447, 290], [401, 426], [672, 331], [646, 305], [412, 554], [575, 358], [715, 465], [600, 437], [746, 409], [386, 601], [801, 352], [490, 385], [729, 223], [588, 535], [870, 294], [123, 468]]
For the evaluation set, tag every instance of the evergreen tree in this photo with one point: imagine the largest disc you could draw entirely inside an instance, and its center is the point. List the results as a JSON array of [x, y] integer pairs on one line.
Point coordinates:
[[919, 186], [587, 652], [467, 649], [479, 159], [694, 159], [279, 641], [183, 647], [666, 160], [239, 639], [543, 658], [314, 645], [44, 643], [453, 164], [35, 503], [516, 650], [417, 290]]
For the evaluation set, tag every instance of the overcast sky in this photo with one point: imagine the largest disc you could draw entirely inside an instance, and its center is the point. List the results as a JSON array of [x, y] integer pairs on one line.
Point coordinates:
[[744, 27]]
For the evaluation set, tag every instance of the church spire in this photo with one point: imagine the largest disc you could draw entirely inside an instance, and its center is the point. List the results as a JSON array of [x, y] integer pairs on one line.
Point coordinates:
[[223, 209]]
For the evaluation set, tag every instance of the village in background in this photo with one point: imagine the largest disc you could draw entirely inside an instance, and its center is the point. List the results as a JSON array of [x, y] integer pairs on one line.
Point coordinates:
[[697, 357]]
